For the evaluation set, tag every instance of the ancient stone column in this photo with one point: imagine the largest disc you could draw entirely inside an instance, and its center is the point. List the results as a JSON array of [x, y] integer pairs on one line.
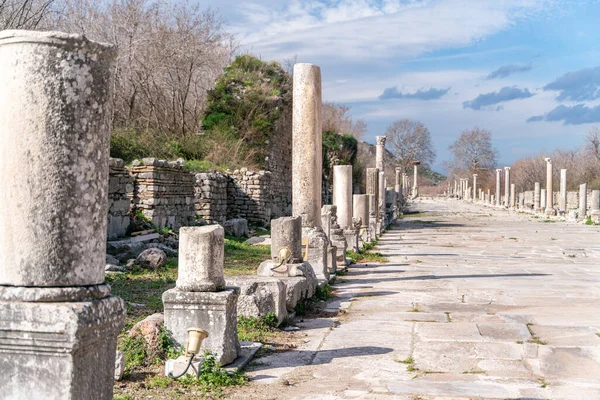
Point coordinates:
[[507, 187], [562, 201], [380, 152], [489, 198], [373, 184], [307, 156], [342, 194], [513, 200], [543, 199], [398, 189], [286, 232], [498, 171], [360, 209], [336, 238], [372, 217], [549, 189], [595, 206], [199, 299], [455, 188], [582, 200], [58, 322], [474, 187], [537, 194], [415, 192]]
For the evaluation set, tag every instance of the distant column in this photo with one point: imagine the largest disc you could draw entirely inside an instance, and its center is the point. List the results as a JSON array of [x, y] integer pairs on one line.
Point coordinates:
[[543, 199], [498, 171], [595, 206], [342, 194], [307, 135], [507, 187], [474, 187], [415, 178], [513, 200], [582, 200], [549, 189], [562, 201], [537, 194], [372, 189]]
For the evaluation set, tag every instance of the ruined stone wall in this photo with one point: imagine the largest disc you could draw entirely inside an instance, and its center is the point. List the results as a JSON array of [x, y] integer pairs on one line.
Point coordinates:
[[249, 196], [164, 192], [120, 192], [279, 163], [210, 196]]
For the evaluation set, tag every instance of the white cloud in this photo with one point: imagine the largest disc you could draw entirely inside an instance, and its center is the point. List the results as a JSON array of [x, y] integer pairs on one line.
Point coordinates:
[[361, 29]]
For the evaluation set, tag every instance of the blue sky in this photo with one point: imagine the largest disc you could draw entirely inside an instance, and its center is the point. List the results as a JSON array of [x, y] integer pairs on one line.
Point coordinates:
[[526, 70]]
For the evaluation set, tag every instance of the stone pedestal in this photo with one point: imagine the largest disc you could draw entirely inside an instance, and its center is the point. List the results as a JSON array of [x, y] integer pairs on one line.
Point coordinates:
[[582, 201], [58, 322], [318, 252], [307, 158], [214, 312], [360, 210], [200, 300], [351, 236]]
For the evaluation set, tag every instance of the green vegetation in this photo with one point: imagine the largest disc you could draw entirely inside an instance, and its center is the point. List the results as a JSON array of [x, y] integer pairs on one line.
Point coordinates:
[[534, 338], [213, 376], [242, 258], [408, 360], [323, 292], [365, 255], [256, 329], [589, 221]]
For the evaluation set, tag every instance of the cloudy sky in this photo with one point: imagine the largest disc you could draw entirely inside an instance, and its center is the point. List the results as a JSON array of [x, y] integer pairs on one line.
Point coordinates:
[[527, 70]]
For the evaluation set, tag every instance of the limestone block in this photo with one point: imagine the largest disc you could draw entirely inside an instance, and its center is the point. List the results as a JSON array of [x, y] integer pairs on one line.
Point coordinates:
[[236, 227], [351, 236], [55, 350], [214, 312], [201, 252], [260, 296]]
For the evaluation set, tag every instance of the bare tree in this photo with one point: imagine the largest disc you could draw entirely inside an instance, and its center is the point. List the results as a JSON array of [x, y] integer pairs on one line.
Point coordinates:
[[336, 118], [473, 150], [410, 141], [170, 55], [24, 14], [593, 142]]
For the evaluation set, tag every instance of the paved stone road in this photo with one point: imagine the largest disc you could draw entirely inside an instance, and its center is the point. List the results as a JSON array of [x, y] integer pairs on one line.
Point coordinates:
[[475, 303]]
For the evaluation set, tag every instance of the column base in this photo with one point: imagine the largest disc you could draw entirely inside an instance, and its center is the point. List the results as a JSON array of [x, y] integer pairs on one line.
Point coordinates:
[[550, 211], [214, 312], [60, 350], [351, 236]]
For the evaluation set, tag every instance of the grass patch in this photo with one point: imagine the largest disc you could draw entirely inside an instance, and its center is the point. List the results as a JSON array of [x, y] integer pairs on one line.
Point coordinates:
[[242, 258], [323, 292], [366, 255], [475, 371], [534, 338], [213, 377], [256, 329], [408, 360], [548, 221]]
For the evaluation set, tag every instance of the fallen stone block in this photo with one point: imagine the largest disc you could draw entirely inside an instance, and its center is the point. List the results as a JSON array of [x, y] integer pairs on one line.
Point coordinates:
[[236, 227], [260, 296]]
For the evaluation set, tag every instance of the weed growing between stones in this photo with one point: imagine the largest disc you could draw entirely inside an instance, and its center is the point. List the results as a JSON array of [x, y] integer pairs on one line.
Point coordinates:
[[323, 292], [365, 255], [534, 338]]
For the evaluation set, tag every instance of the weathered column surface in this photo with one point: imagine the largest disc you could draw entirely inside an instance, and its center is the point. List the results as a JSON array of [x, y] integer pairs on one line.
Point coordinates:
[[507, 197], [543, 199], [58, 322], [498, 171], [474, 187], [537, 194], [342, 194], [382, 199], [562, 201], [361, 209], [380, 152], [373, 188], [199, 299], [307, 150], [415, 189], [549, 189]]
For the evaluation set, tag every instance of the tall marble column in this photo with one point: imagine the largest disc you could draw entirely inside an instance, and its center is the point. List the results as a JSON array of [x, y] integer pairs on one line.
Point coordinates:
[[549, 189], [307, 163], [474, 187], [398, 188], [342, 194], [543, 199], [360, 209], [382, 201], [380, 153], [307, 150], [498, 195], [507, 187], [562, 201], [595, 206], [58, 322], [455, 188], [379, 164]]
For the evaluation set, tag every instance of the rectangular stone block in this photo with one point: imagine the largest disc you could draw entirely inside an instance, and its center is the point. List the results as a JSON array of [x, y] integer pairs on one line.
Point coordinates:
[[55, 350], [215, 312]]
